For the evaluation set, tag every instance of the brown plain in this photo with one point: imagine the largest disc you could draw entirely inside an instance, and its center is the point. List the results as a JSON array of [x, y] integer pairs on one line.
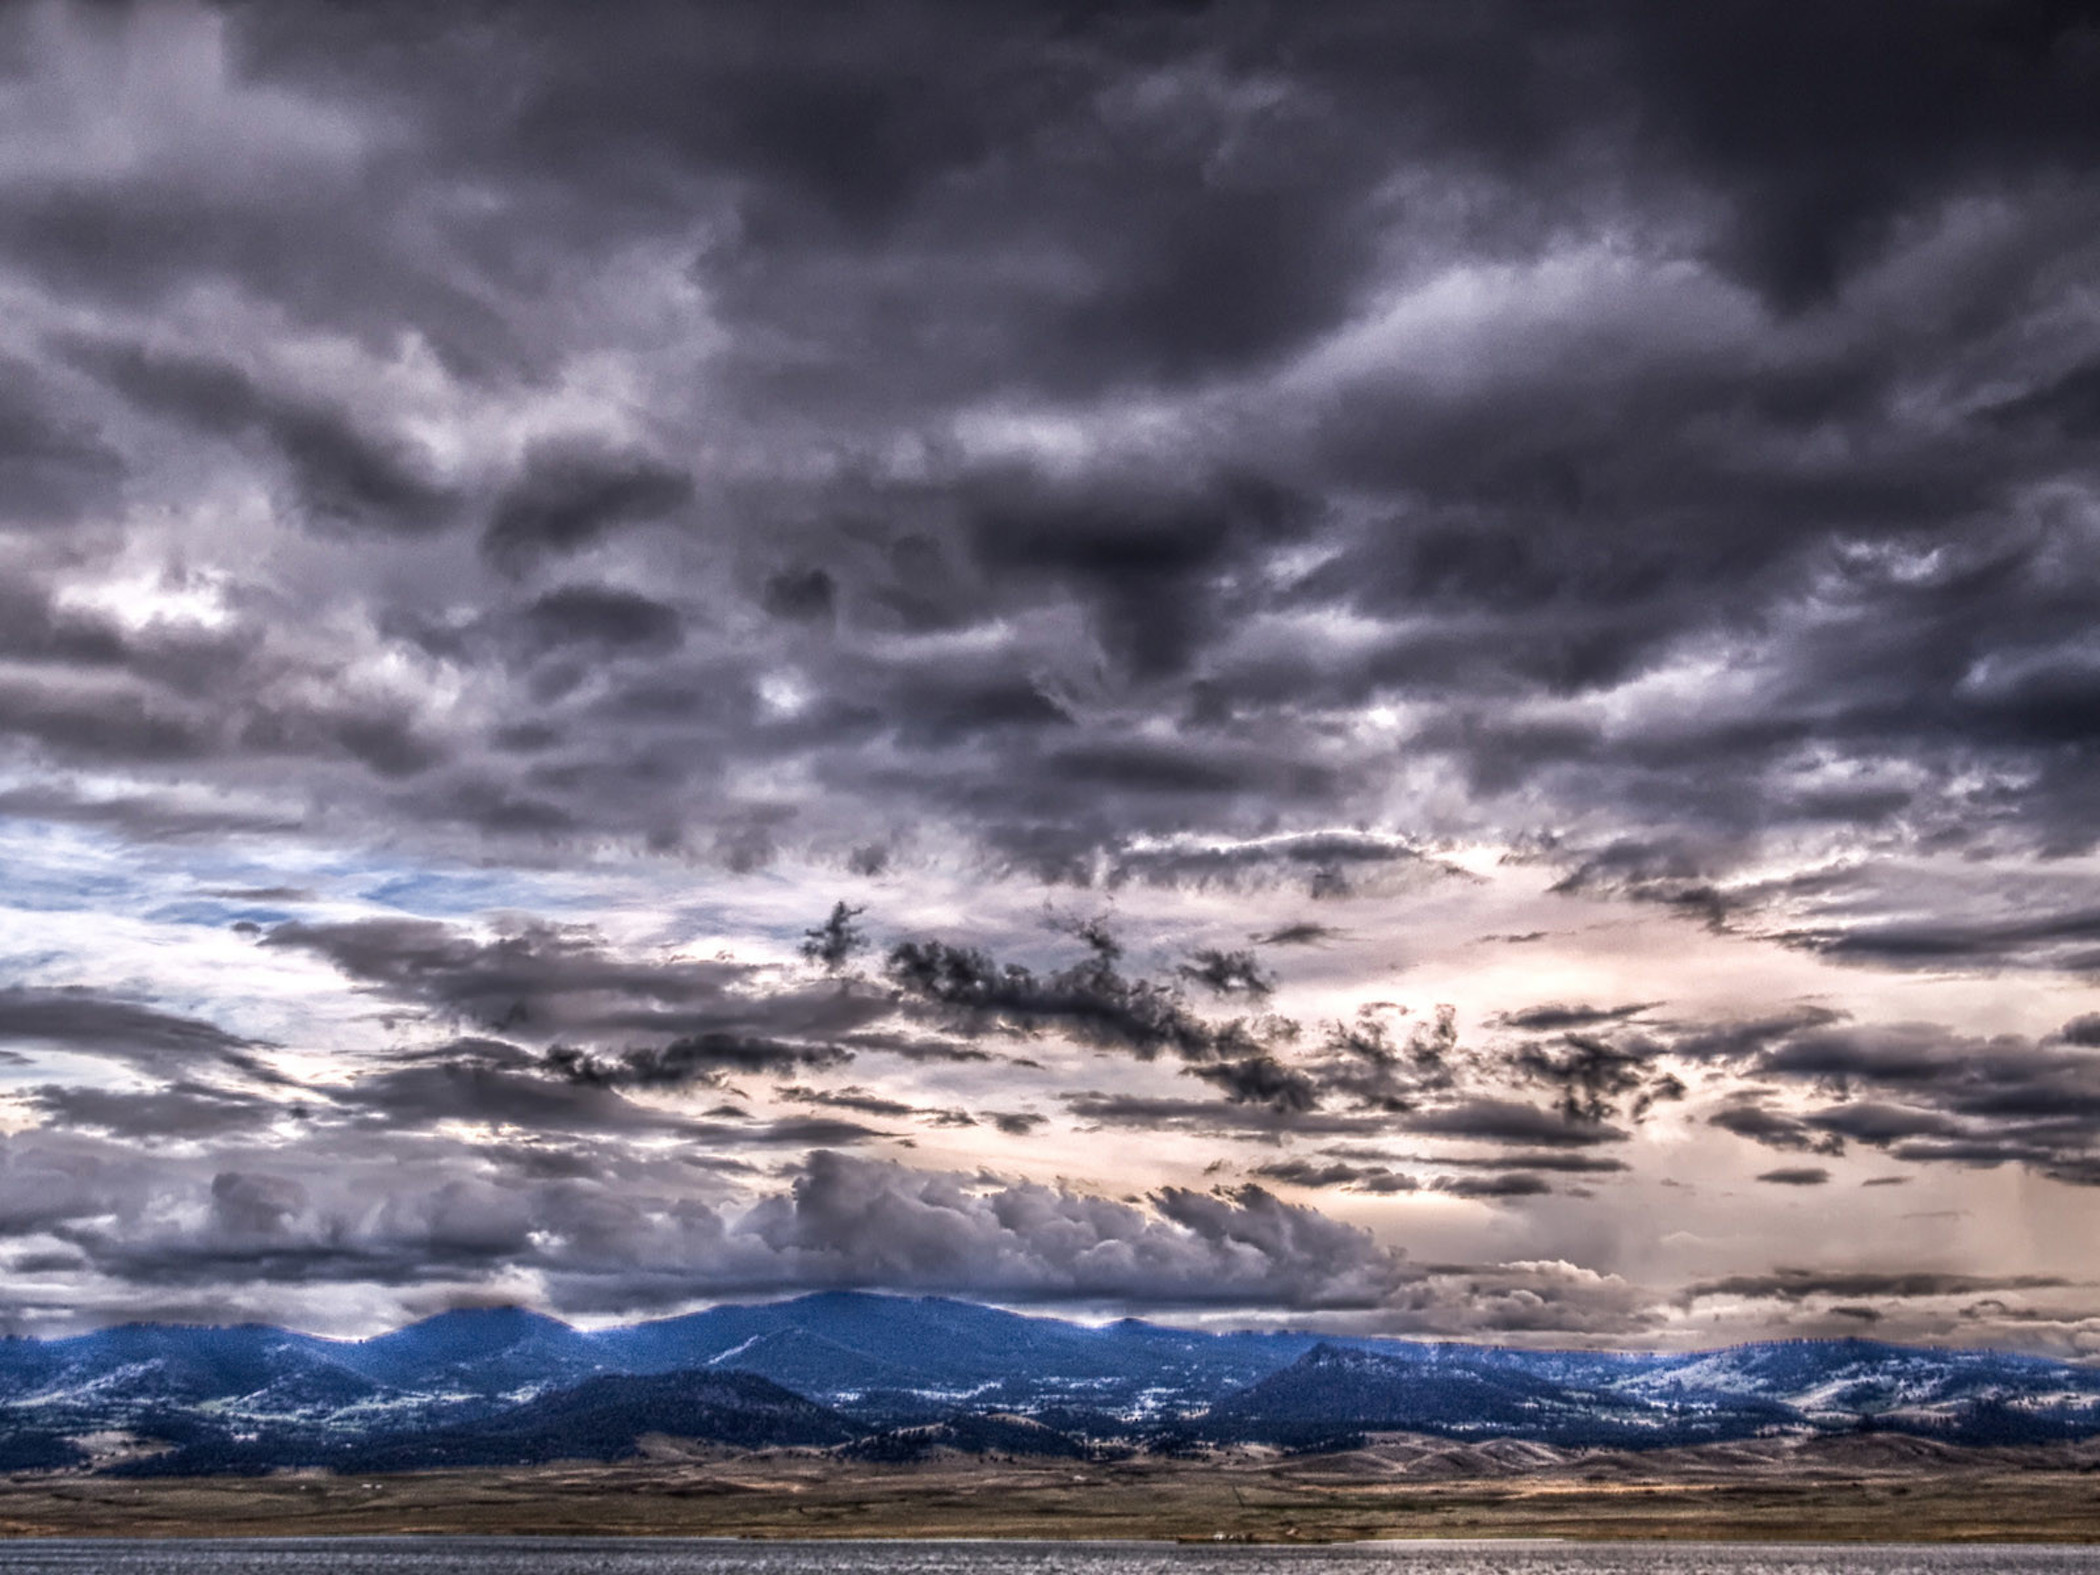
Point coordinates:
[[1877, 1489]]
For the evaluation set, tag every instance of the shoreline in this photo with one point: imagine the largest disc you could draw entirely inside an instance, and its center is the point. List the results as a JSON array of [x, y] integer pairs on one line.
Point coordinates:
[[1147, 1544]]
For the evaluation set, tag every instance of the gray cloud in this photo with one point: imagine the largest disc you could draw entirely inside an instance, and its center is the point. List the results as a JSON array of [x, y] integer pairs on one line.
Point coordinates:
[[81, 1019], [1751, 1118], [569, 494], [1490, 1120], [1796, 1176], [1916, 1090], [600, 1233], [340, 476], [53, 467], [859, 1222], [1092, 1000], [1245, 228], [1554, 1017], [1801, 1284], [183, 1111], [551, 982]]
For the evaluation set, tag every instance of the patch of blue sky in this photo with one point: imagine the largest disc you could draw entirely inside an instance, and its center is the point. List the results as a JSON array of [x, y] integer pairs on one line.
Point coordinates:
[[56, 867], [18, 965], [213, 913], [47, 873], [438, 893], [69, 1069]]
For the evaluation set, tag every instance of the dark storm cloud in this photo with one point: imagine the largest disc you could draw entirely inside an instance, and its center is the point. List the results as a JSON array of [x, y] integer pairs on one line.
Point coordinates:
[[1191, 227], [567, 990], [452, 968], [1424, 1075], [343, 478], [1560, 1162], [104, 724], [52, 467], [1596, 1077], [1361, 1077], [1091, 1000], [1313, 1173], [454, 1086], [699, 1058], [1383, 1180], [858, 1100], [1302, 934], [1554, 1017], [492, 1081], [1920, 100], [1750, 1118], [1489, 1120], [599, 616], [1431, 1083], [1797, 1176], [1229, 973], [1800, 1284], [1261, 1080], [38, 631], [84, 1020], [1376, 1069], [1221, 1117], [1509, 1184], [1332, 864], [145, 817], [801, 595], [181, 1112], [1134, 562], [2058, 940], [1917, 1091], [552, 981], [570, 493]]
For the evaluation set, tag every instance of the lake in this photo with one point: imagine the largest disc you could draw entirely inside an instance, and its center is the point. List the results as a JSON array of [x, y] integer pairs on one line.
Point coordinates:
[[607, 1556]]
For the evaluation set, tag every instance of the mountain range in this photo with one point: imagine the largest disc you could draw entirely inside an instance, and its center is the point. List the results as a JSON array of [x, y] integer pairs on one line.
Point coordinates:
[[889, 1377]]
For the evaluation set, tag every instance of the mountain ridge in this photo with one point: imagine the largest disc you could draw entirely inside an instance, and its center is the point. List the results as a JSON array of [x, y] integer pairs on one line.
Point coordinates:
[[924, 1372]]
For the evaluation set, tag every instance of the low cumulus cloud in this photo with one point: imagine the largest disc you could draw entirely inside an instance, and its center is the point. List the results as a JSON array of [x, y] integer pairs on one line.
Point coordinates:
[[849, 1221], [608, 1234]]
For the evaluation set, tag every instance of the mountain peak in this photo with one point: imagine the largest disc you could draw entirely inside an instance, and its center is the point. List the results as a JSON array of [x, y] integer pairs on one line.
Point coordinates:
[[508, 1318]]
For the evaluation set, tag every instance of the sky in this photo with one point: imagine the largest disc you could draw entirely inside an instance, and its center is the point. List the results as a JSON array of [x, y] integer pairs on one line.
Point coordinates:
[[1423, 670]]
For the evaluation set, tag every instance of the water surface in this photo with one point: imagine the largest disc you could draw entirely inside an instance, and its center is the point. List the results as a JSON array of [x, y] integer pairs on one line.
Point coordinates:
[[608, 1556]]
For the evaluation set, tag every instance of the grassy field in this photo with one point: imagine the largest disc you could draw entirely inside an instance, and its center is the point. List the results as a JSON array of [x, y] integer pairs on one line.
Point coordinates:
[[1888, 1496]]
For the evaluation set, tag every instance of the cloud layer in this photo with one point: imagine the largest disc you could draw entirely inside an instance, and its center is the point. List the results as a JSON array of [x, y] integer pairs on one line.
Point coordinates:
[[1516, 588]]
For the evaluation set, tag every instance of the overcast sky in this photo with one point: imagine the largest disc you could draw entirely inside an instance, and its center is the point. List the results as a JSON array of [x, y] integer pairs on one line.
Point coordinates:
[[1408, 668]]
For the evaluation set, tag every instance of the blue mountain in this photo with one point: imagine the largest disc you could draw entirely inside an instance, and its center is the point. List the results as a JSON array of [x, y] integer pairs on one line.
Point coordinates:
[[504, 1383], [838, 1342], [1338, 1390], [480, 1350]]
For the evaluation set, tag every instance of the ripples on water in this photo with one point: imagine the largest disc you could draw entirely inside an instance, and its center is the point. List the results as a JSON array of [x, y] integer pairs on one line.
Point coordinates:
[[562, 1556]]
